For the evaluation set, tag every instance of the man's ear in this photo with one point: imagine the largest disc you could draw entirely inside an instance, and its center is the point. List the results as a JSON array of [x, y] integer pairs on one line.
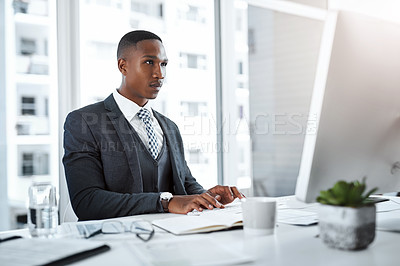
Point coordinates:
[[122, 66]]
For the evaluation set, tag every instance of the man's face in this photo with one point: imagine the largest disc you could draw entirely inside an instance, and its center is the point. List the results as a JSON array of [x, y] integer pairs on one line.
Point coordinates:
[[144, 68]]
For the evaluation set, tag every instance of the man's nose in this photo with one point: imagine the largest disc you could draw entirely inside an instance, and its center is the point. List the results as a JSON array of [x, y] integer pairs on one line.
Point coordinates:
[[159, 72]]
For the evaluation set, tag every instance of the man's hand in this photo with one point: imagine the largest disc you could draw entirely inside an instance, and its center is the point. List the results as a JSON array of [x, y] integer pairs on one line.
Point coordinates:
[[187, 203], [225, 194]]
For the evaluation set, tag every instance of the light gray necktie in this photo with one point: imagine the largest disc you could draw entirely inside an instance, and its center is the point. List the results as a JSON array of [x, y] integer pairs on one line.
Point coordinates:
[[144, 115]]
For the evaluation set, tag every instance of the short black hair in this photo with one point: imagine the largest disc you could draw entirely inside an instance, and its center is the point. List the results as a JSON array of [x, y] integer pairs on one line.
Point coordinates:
[[132, 38]]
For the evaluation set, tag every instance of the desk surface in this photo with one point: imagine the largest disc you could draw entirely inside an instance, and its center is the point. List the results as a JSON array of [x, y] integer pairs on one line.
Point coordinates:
[[290, 245]]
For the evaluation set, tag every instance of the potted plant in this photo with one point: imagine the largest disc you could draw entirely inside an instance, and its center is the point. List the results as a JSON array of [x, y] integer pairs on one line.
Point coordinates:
[[346, 216]]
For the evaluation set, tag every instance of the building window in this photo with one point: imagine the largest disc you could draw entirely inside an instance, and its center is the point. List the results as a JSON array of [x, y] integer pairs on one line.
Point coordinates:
[[35, 163], [46, 107], [197, 157], [28, 106], [251, 41], [161, 10], [240, 85], [192, 13], [194, 109], [193, 61], [139, 7], [154, 10], [27, 164], [241, 111], [194, 156], [240, 68], [239, 20], [101, 49], [28, 46]]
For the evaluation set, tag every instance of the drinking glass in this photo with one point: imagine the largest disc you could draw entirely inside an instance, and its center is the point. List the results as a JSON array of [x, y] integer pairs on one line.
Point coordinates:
[[42, 212]]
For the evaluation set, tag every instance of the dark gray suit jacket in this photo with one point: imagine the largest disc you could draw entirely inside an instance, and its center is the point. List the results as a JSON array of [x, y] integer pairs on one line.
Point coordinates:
[[102, 167]]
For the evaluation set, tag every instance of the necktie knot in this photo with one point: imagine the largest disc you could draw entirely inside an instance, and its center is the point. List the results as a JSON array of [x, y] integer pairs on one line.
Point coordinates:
[[144, 115]]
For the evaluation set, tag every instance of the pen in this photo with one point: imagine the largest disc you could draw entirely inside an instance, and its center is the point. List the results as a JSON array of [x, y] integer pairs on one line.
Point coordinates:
[[9, 238]]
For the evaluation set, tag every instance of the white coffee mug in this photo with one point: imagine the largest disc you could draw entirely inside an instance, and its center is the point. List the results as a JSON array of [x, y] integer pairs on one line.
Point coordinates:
[[259, 215]]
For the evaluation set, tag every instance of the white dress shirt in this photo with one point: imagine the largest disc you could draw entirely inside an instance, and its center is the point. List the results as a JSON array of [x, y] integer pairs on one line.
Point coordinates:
[[129, 109]]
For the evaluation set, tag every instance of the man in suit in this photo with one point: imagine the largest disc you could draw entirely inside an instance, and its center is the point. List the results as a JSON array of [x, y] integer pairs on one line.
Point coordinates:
[[124, 158]]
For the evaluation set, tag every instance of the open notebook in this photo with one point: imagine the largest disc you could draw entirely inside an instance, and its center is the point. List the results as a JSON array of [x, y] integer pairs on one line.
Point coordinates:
[[206, 221], [41, 251]]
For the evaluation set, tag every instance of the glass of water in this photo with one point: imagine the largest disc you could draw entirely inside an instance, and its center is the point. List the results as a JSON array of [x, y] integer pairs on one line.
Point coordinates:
[[43, 212]]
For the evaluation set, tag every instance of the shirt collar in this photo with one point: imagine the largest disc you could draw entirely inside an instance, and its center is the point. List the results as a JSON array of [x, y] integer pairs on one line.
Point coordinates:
[[128, 108]]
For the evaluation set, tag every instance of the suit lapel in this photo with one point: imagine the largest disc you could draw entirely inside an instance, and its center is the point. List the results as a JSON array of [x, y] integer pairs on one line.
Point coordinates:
[[124, 132], [179, 187]]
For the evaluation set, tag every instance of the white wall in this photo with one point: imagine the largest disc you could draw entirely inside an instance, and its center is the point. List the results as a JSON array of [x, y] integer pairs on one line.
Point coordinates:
[[383, 9]]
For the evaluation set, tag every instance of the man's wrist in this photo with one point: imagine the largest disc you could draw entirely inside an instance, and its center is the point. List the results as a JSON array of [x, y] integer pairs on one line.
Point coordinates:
[[165, 198]]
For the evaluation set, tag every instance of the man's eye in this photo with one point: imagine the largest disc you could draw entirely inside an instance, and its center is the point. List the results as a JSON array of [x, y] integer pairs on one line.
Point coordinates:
[[164, 64], [149, 62]]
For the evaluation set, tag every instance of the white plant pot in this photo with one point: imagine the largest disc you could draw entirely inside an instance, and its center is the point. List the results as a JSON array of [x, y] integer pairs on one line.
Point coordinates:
[[346, 227]]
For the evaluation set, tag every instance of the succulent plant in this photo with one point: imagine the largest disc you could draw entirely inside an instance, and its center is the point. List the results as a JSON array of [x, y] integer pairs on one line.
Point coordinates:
[[349, 194]]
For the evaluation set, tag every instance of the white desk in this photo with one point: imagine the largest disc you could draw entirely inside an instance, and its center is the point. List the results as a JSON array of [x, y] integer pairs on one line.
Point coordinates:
[[290, 245]]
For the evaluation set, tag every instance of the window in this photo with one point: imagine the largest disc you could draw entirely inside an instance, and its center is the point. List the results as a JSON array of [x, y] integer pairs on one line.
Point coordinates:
[[29, 102], [101, 49], [140, 7], [241, 112], [239, 19], [193, 61], [188, 95], [192, 13], [152, 9], [240, 85], [34, 163], [240, 68], [27, 164], [194, 108], [46, 107], [28, 106], [251, 41], [196, 156], [28, 46], [161, 10]]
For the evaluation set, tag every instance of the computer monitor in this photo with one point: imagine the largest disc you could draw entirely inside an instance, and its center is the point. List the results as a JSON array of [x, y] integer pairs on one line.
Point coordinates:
[[356, 103]]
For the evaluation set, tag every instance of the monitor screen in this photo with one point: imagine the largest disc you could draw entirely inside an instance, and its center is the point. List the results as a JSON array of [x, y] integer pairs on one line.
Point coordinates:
[[356, 102]]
